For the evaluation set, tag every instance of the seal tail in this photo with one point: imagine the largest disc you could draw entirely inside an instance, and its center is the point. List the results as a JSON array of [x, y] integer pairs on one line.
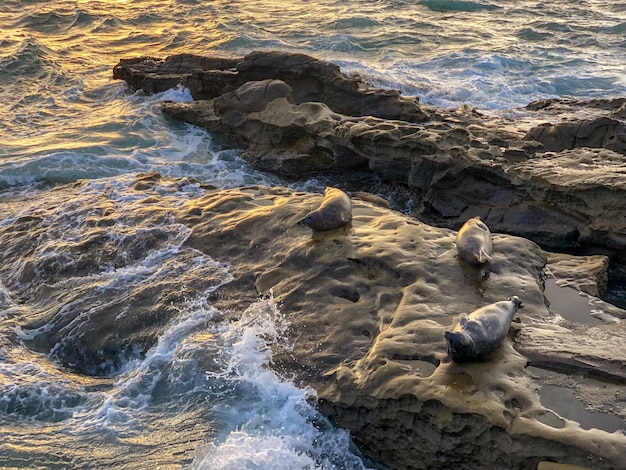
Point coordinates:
[[484, 257], [460, 346]]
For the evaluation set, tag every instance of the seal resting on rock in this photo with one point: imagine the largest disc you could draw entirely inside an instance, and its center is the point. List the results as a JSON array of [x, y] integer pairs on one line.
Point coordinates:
[[481, 331], [335, 211], [473, 242]]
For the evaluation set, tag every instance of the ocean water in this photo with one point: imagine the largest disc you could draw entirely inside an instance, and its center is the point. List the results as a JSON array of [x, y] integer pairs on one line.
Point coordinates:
[[205, 396]]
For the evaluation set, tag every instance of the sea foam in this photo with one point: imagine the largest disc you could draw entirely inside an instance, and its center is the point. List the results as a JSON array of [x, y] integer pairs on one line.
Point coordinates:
[[272, 423]]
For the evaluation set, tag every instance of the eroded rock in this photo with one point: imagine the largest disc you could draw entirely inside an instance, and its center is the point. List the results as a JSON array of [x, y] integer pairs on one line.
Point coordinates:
[[603, 132], [588, 274], [298, 116], [367, 309], [369, 305], [311, 80], [565, 200]]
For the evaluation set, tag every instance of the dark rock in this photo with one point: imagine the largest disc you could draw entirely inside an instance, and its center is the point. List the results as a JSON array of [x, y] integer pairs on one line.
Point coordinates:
[[603, 132], [550, 198], [588, 274], [311, 80], [560, 184], [561, 105], [298, 116], [461, 163], [575, 193], [157, 75]]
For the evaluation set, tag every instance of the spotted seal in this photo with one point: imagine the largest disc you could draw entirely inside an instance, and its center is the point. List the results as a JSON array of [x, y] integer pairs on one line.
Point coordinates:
[[473, 242], [481, 331], [335, 211]]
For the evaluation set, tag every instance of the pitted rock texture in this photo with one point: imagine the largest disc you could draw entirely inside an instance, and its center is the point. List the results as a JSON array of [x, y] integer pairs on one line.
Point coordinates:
[[367, 307]]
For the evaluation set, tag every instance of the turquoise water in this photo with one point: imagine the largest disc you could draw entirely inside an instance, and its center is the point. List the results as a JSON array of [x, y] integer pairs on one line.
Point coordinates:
[[63, 118]]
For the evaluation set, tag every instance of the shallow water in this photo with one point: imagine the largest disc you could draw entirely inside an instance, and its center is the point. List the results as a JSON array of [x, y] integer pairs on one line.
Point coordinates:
[[569, 303], [193, 399], [558, 393]]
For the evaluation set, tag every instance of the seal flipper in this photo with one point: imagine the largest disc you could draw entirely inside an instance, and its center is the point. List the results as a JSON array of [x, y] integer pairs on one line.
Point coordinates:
[[462, 320], [306, 221]]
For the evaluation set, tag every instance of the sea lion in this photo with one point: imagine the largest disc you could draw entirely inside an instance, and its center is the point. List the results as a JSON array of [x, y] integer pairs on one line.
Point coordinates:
[[335, 211], [473, 242], [481, 331]]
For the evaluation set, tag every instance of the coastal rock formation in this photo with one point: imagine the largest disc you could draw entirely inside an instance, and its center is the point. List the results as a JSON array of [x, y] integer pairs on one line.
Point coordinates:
[[589, 274], [593, 123], [367, 308], [310, 78], [602, 132], [557, 183]]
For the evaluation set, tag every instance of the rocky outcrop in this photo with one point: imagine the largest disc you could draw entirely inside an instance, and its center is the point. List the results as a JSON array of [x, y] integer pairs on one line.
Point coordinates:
[[602, 132], [311, 79], [558, 184], [367, 307], [565, 200], [589, 274], [595, 123], [569, 109]]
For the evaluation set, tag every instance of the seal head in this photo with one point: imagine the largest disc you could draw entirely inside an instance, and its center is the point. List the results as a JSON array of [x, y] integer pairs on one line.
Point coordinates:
[[516, 301]]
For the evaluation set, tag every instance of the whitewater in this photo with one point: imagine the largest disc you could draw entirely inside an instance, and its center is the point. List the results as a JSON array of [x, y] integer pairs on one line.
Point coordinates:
[[206, 394]]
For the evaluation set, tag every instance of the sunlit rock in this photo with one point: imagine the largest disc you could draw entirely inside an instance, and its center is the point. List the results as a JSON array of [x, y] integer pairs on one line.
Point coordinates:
[[299, 116], [367, 308], [310, 78]]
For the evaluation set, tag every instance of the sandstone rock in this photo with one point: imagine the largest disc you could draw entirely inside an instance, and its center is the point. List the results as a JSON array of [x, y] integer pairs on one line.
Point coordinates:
[[369, 306], [588, 274], [156, 75], [603, 132], [311, 80], [367, 309], [561, 200], [572, 287], [577, 351], [298, 116], [569, 107]]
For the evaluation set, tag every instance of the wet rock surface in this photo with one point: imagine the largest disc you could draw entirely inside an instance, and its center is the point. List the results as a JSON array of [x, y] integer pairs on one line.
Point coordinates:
[[311, 79], [367, 306], [588, 274], [558, 176]]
